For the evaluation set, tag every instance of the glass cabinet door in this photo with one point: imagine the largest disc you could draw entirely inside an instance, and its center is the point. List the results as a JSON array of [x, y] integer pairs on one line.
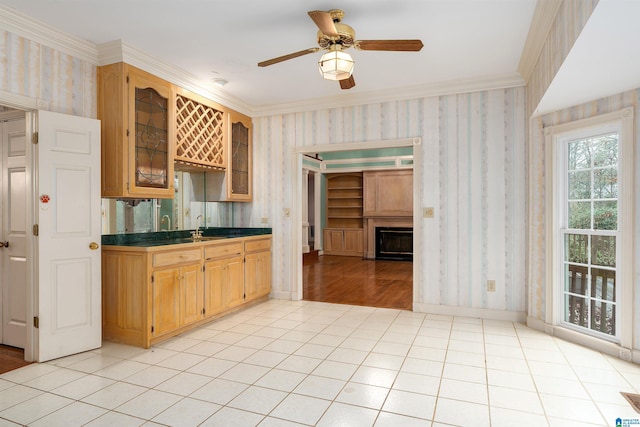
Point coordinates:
[[151, 138], [239, 159]]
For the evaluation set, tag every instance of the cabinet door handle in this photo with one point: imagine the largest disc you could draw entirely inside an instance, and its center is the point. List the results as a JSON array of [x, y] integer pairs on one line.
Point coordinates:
[[4, 244]]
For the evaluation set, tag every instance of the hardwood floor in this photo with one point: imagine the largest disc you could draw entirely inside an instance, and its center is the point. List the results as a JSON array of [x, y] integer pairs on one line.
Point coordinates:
[[352, 280], [11, 358]]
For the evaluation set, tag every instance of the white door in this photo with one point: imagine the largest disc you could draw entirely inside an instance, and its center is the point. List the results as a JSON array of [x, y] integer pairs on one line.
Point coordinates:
[[68, 215], [13, 227]]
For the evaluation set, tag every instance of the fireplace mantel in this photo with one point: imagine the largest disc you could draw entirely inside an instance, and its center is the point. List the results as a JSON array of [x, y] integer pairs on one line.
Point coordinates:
[[370, 224]]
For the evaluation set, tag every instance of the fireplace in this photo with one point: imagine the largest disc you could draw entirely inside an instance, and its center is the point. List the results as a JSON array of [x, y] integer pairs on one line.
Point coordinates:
[[394, 243]]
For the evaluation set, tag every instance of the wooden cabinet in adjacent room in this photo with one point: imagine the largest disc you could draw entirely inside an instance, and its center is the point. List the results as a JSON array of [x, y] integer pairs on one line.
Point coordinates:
[[388, 193], [344, 232], [138, 130], [346, 242]]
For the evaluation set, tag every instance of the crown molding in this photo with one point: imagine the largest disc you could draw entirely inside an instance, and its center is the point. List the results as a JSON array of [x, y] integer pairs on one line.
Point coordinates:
[[501, 81], [543, 18], [27, 27], [119, 51], [108, 53]]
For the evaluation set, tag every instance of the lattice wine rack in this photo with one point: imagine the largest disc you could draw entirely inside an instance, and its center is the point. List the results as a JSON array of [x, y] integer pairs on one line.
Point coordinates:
[[199, 135]]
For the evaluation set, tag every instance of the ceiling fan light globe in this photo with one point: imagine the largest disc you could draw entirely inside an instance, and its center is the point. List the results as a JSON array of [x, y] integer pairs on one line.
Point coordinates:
[[336, 65]]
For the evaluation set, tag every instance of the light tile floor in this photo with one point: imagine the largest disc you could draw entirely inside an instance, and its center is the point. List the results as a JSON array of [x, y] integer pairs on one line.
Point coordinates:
[[284, 363]]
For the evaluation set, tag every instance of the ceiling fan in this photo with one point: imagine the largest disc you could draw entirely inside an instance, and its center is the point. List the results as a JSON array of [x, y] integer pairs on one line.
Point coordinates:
[[334, 37]]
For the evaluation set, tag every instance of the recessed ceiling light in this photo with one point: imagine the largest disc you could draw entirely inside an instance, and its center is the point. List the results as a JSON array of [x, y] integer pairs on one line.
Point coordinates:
[[219, 82]]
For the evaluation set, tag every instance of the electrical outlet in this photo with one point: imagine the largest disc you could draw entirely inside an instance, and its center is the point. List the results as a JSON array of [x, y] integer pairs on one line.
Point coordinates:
[[491, 285], [427, 212], [287, 212], [264, 220]]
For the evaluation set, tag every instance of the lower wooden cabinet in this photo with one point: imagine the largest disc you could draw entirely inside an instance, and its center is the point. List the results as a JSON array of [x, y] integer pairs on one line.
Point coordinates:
[[165, 301], [257, 269], [343, 241], [153, 293], [224, 278], [191, 294]]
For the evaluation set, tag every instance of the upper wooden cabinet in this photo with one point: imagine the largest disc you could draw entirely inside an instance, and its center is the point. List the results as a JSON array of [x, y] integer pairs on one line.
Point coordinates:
[[138, 131], [201, 137], [239, 174], [388, 193]]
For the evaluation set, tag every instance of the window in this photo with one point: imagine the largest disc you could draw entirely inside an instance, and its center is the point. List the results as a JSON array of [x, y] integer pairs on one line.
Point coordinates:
[[589, 226], [590, 221]]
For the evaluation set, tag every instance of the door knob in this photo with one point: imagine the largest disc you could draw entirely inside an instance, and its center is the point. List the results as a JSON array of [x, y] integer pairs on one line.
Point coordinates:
[[93, 246], [4, 244]]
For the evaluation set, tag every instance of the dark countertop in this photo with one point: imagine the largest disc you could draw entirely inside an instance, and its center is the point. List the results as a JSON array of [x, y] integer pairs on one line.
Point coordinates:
[[162, 238]]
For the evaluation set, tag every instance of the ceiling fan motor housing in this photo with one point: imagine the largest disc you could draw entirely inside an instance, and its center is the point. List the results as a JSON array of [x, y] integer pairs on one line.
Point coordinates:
[[346, 37]]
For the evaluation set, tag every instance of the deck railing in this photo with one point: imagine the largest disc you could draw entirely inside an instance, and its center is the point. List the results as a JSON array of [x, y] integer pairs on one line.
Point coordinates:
[[601, 298]]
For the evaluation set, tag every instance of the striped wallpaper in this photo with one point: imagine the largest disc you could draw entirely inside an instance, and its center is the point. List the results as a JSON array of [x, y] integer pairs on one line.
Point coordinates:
[[36, 71], [472, 172]]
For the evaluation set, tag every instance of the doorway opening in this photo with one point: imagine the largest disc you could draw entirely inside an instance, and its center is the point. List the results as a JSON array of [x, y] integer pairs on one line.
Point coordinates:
[[13, 238], [366, 279]]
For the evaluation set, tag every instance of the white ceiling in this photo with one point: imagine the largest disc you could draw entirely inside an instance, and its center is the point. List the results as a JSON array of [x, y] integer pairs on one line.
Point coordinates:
[[463, 40]]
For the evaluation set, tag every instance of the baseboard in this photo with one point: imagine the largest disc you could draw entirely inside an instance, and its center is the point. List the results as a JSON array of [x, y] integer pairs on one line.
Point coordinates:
[[281, 295], [610, 348], [482, 313]]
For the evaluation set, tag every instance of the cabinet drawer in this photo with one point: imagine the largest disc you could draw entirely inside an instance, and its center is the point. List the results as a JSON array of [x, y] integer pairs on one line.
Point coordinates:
[[217, 251], [257, 245], [170, 258]]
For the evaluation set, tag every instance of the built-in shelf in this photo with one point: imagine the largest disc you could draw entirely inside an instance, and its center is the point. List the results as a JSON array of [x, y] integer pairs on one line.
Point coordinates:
[[344, 233]]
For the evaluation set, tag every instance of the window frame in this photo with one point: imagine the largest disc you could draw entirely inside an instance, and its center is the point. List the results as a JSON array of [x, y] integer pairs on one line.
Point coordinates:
[[556, 137]]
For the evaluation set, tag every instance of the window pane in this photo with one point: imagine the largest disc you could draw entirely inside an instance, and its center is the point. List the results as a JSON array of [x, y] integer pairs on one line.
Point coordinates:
[[580, 215], [605, 150], [576, 310], [579, 185], [603, 251], [579, 155], [605, 215], [603, 319], [603, 284], [576, 279], [576, 248], [605, 185]]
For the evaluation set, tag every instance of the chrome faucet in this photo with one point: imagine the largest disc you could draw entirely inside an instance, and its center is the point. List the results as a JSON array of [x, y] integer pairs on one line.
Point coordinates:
[[197, 235], [167, 219]]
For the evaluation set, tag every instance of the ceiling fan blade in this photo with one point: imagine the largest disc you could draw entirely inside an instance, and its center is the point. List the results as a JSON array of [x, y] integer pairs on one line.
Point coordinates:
[[347, 83], [324, 21], [286, 57], [395, 45]]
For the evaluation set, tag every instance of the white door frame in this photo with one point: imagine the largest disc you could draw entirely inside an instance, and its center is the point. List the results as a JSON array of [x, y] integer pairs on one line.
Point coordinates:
[[296, 210], [28, 105]]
